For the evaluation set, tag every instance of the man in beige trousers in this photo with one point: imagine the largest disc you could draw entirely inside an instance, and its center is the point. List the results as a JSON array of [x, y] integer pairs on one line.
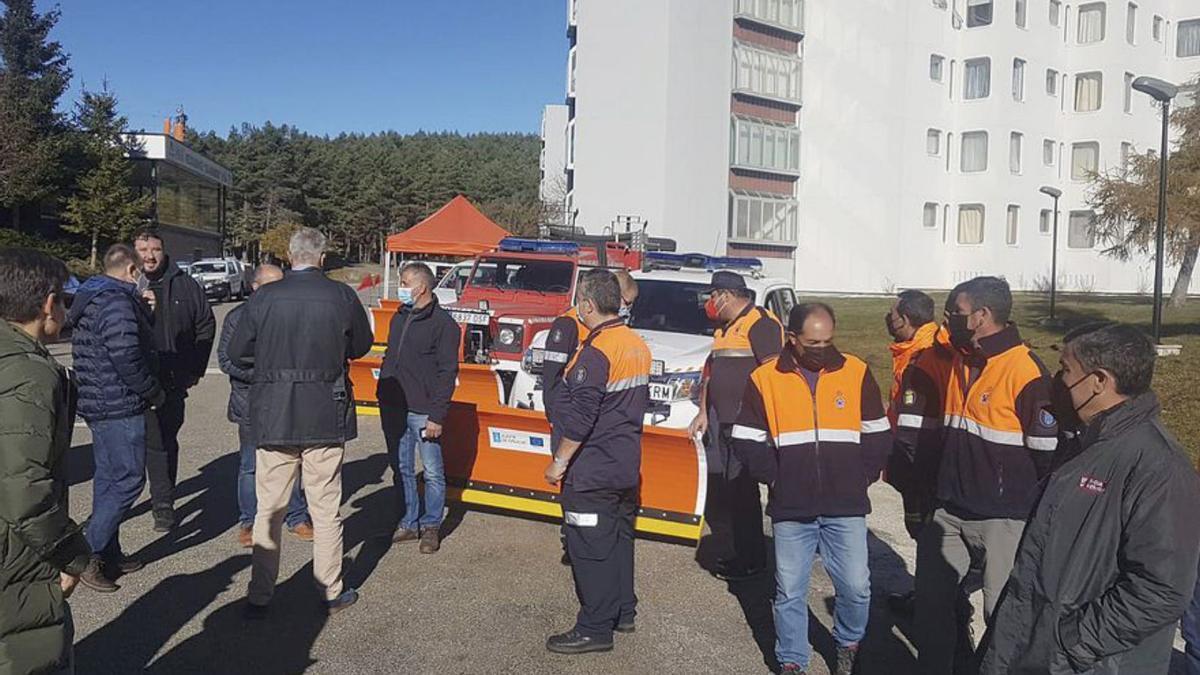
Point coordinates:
[[297, 336]]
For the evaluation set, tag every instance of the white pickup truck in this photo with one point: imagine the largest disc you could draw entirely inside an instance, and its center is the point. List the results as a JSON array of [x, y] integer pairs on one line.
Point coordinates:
[[669, 315]]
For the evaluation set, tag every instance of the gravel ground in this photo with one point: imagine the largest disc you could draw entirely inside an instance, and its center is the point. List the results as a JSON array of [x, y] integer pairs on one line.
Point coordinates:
[[485, 603]]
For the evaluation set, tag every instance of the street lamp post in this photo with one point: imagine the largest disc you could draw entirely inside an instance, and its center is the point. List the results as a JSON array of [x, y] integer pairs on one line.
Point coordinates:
[[1162, 92], [1054, 193]]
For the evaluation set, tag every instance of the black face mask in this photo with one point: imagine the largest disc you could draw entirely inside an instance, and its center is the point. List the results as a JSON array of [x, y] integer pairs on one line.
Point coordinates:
[[1062, 406], [961, 337], [817, 358]]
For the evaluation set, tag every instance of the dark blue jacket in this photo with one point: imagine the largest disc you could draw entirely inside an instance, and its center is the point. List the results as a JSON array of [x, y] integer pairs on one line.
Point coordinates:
[[113, 351]]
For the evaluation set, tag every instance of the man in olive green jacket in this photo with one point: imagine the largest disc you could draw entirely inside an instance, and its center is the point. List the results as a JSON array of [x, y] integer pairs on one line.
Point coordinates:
[[43, 549]]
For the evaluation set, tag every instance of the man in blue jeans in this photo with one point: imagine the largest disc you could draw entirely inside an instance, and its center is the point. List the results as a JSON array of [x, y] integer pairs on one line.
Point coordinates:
[[112, 349], [812, 427], [416, 382], [240, 379]]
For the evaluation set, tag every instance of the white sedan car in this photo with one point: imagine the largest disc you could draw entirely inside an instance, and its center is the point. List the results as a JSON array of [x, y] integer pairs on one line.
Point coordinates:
[[669, 315]]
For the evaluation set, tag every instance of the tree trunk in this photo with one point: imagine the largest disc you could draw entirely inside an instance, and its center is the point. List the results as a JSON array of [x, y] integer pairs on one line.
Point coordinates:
[[95, 236], [1184, 280]]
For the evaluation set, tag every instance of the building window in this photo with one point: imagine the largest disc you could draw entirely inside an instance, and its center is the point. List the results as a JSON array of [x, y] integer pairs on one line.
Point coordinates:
[[1131, 24], [1157, 28], [1188, 39], [933, 142], [1048, 152], [1014, 219], [929, 215], [785, 13], [974, 152], [1126, 154], [949, 149], [1015, 140], [940, 4], [761, 217], [1044, 221], [1080, 233], [1051, 82], [1085, 160], [1128, 92], [1018, 80], [764, 73], [937, 65], [970, 224], [1055, 12], [1089, 90], [771, 147], [1091, 23], [979, 13], [1022, 13], [977, 78]]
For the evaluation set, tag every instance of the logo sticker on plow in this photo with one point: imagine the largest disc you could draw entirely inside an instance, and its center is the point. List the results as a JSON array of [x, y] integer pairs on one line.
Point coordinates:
[[521, 441]]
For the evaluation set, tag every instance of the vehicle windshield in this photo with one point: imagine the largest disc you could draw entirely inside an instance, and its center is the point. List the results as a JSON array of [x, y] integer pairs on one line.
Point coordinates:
[[671, 306], [543, 276], [208, 268], [457, 276]]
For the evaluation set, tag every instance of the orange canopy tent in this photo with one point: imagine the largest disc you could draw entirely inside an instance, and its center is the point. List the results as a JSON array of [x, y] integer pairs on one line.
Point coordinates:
[[456, 229]]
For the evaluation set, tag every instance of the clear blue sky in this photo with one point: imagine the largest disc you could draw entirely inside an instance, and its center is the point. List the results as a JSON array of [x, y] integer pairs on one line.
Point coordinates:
[[326, 67]]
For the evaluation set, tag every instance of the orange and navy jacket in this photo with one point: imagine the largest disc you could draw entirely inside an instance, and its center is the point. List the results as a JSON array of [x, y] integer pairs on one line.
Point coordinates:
[[754, 337], [818, 449], [566, 333], [916, 408], [601, 403], [999, 439]]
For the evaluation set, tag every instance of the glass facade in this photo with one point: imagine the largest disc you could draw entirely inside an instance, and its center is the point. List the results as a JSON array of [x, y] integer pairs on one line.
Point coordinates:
[[182, 199]]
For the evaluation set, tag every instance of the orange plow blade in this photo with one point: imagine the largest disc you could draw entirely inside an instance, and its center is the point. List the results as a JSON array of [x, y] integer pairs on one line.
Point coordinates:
[[496, 455]]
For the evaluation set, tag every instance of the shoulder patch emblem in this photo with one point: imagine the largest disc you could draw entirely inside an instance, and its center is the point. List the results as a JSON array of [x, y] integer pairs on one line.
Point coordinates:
[[1091, 485], [840, 400], [581, 374], [1047, 419], [910, 397], [985, 397]]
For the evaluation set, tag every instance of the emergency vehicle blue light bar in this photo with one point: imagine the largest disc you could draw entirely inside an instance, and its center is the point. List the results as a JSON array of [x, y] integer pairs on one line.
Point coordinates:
[[701, 261], [520, 245]]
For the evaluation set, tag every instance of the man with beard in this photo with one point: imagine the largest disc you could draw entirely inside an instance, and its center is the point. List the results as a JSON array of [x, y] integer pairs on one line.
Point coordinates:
[[184, 329]]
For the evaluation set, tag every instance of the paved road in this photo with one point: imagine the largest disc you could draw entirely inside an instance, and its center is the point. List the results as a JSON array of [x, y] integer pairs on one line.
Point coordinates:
[[485, 603]]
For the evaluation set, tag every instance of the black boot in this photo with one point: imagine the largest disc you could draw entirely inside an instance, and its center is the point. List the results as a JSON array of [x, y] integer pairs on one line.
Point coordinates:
[[571, 642], [164, 518]]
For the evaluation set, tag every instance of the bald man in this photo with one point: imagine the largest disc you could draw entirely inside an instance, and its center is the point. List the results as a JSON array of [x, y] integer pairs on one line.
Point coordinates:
[[297, 519]]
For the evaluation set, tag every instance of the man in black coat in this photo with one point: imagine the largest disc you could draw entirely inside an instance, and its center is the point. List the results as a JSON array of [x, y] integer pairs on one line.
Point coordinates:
[[416, 382], [184, 330], [297, 336], [1108, 560]]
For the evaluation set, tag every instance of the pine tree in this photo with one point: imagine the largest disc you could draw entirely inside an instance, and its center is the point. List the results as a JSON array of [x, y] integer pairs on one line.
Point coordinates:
[[33, 75], [105, 205]]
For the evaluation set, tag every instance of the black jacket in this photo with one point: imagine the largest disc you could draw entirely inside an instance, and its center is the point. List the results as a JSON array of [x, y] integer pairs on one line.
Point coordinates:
[[421, 363], [184, 328], [240, 379], [1108, 562], [297, 335], [112, 350]]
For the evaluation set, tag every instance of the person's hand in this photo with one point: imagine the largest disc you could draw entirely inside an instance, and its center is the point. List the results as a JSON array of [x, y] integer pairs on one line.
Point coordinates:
[[67, 583], [148, 296], [699, 426], [433, 430], [555, 472]]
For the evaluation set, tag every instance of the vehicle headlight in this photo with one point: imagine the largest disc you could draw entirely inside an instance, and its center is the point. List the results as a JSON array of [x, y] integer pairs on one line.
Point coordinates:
[[686, 384], [507, 336]]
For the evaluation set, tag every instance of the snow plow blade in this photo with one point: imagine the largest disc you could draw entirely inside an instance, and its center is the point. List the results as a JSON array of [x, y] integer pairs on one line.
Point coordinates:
[[495, 456]]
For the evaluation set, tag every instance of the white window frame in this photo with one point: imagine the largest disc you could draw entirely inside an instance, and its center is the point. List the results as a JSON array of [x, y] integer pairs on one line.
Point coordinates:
[[1131, 10], [1156, 28], [973, 136], [1012, 225], [1055, 12], [1021, 10], [787, 14], [1079, 13], [1194, 44], [1126, 155], [933, 140], [982, 224], [1018, 79], [789, 207], [1048, 144], [1071, 230], [1081, 174], [763, 146], [1128, 103], [1080, 78], [986, 63], [972, 21], [766, 74], [928, 223], [1045, 221], [1016, 143], [938, 62], [1051, 82]]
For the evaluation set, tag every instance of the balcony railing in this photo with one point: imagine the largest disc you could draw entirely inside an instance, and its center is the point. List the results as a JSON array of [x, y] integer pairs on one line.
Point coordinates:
[[785, 15], [770, 75]]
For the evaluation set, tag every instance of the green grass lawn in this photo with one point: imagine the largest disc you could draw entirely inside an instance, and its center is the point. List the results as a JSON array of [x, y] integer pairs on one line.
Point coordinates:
[[861, 331]]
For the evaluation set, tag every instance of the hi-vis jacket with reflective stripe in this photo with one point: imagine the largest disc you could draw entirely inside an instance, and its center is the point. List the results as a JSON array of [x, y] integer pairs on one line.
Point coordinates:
[[1000, 440], [917, 411], [566, 333], [602, 400], [750, 340], [818, 450]]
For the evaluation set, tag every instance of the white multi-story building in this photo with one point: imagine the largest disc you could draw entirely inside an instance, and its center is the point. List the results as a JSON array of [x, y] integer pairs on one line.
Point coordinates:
[[552, 188], [865, 145]]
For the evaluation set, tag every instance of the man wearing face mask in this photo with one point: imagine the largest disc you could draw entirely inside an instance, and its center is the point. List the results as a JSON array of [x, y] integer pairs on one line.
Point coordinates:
[[603, 401], [813, 428], [1109, 557], [746, 337], [999, 443], [416, 383]]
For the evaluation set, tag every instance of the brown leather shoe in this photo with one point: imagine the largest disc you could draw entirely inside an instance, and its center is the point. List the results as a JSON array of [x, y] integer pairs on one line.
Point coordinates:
[[405, 534], [303, 531], [429, 541], [246, 537], [93, 577]]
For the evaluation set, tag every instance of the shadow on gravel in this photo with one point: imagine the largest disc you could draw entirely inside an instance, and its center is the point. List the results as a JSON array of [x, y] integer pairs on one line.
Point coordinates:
[[205, 506]]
